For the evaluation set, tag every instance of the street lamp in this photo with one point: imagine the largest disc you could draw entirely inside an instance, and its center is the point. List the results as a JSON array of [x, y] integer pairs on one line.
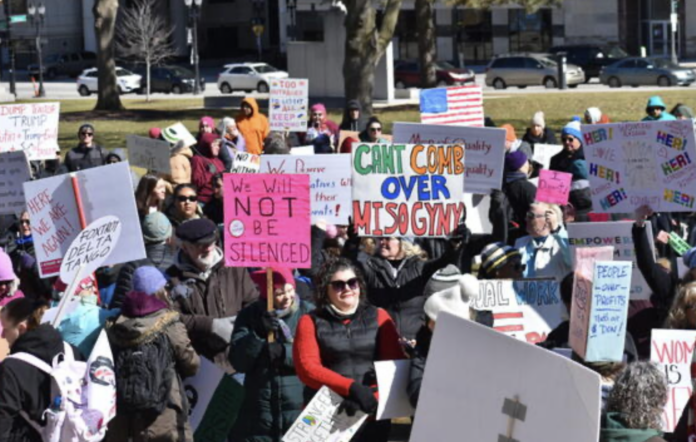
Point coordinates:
[[194, 7], [37, 15], [292, 8]]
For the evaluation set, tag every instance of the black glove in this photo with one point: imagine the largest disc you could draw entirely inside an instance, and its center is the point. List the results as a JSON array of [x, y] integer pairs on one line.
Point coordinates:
[[268, 323], [276, 352], [363, 396], [349, 407], [352, 233]]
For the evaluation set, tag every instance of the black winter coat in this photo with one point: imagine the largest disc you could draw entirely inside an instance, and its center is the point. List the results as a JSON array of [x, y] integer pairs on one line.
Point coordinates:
[[272, 393], [420, 356], [547, 137], [26, 388], [81, 158], [157, 255], [520, 194]]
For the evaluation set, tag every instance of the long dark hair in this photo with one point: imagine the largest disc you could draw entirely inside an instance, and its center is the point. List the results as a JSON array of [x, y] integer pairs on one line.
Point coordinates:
[[25, 309], [323, 279], [142, 194]]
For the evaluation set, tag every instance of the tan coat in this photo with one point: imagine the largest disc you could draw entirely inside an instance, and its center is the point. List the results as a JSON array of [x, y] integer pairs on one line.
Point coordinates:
[[180, 163]]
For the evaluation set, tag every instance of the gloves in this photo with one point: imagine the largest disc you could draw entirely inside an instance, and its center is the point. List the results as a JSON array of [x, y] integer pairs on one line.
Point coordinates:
[[350, 407], [268, 323], [362, 395], [223, 328], [180, 291], [276, 353]]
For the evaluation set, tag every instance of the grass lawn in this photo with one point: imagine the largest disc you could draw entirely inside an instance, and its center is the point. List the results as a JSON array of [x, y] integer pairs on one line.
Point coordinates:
[[140, 116]]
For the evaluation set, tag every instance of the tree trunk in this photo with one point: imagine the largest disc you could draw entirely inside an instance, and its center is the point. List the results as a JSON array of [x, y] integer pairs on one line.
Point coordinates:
[[105, 12], [426, 42]]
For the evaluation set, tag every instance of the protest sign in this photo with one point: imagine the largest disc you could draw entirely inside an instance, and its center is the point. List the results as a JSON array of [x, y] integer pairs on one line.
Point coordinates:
[[31, 127], [90, 248], [643, 163], [221, 413], [608, 312], [674, 350], [178, 132], [580, 309], [392, 379], [14, 172], [106, 190], [547, 396], [554, 187], [200, 390], [407, 190], [288, 103], [477, 209], [526, 309], [329, 182], [267, 220], [101, 380], [302, 150], [245, 162], [544, 152], [321, 421], [618, 235], [485, 150], [678, 244], [149, 154]]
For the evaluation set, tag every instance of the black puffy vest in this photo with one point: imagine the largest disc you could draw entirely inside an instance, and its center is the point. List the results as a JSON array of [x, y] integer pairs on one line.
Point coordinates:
[[348, 349]]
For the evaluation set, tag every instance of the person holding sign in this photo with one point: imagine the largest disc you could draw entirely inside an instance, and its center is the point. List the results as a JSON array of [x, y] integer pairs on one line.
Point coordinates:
[[87, 154], [318, 124], [269, 366], [657, 111], [253, 125], [232, 140], [337, 344], [519, 190], [373, 132], [206, 165], [537, 132], [572, 160]]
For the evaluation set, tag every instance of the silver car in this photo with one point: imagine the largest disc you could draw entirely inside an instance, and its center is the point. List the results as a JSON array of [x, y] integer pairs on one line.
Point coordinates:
[[637, 71], [529, 70]]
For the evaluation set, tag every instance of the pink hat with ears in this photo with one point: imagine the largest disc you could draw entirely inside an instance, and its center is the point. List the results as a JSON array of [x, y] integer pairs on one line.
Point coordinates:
[[208, 121]]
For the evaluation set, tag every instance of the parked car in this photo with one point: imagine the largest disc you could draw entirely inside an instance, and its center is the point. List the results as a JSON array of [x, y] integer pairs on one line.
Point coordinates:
[[637, 71], [407, 74], [524, 70], [169, 79], [591, 58], [64, 64], [248, 77], [126, 81]]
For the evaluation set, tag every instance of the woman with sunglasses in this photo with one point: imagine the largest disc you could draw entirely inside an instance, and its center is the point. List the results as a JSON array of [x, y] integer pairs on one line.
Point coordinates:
[[338, 343], [87, 154], [184, 206], [373, 132], [572, 160]]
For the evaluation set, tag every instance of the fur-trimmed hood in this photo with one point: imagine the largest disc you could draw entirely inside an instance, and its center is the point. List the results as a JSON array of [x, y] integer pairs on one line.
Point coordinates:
[[130, 332]]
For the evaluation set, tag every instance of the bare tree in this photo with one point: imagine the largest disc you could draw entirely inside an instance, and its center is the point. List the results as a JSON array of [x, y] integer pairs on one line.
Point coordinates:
[[105, 12], [145, 36]]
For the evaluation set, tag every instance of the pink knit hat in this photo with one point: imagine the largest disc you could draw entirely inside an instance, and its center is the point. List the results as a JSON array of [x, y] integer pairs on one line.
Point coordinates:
[[6, 271], [207, 121], [318, 107]]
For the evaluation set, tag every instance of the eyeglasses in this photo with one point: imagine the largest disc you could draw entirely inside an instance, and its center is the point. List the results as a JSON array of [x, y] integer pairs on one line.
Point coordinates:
[[24, 221], [340, 286], [375, 129], [87, 134], [183, 199]]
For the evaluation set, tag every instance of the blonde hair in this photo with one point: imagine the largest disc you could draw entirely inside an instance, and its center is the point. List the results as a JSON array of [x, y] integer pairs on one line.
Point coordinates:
[[409, 249], [676, 319]]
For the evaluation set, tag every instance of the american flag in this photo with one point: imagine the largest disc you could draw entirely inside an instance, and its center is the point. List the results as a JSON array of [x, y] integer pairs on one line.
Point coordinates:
[[458, 106]]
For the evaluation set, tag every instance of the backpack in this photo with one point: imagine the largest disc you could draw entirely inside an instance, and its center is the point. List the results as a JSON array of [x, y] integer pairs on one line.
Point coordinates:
[[68, 419], [144, 375]]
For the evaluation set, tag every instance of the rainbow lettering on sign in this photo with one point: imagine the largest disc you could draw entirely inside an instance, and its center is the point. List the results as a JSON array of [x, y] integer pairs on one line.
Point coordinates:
[[613, 198], [679, 197], [605, 172], [597, 136], [675, 164], [670, 140], [309, 420]]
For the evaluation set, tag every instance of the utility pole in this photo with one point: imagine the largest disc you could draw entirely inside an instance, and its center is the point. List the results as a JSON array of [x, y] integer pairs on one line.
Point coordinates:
[[10, 47], [674, 20]]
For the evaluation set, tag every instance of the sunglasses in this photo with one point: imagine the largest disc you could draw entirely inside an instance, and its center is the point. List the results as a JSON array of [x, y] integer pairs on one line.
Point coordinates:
[[87, 134], [183, 199], [567, 139], [375, 129], [340, 286], [24, 221]]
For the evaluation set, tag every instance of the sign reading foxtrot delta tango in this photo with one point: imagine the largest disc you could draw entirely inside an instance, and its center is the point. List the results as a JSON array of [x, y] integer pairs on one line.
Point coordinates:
[[645, 163], [407, 189]]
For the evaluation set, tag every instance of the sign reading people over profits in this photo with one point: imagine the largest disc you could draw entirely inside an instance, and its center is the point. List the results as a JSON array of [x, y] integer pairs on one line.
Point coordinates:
[[267, 220], [407, 189]]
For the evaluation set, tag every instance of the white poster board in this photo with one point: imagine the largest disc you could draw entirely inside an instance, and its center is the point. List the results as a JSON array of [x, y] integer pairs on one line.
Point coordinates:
[[148, 153], [245, 162], [485, 150], [14, 172], [557, 399], [288, 104], [392, 379], [544, 152], [477, 208], [31, 127], [178, 132], [302, 150], [673, 350], [105, 190], [329, 182], [643, 163], [617, 234]]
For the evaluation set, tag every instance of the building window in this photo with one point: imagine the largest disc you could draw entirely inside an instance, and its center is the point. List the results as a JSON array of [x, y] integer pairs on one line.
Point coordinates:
[[407, 35], [474, 35], [530, 32], [310, 26]]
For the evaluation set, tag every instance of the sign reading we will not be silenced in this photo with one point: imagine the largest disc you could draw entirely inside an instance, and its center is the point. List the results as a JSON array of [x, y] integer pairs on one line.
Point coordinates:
[[407, 190], [32, 128], [267, 220]]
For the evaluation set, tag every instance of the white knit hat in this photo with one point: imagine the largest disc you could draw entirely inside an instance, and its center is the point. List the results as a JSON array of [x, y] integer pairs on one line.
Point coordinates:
[[593, 115], [538, 119], [453, 300]]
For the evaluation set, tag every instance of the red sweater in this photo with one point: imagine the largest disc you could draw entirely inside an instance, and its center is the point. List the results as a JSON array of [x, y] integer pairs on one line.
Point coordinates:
[[308, 364], [202, 176]]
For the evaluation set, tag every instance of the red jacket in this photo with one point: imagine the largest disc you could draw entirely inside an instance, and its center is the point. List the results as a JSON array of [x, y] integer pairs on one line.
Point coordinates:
[[202, 175]]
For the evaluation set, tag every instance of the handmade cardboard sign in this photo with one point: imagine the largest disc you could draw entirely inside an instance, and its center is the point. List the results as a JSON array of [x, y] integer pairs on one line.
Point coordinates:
[[245, 162], [392, 379], [30, 127], [407, 190], [485, 150], [674, 350], [149, 154], [178, 132], [526, 309], [90, 248], [515, 402], [101, 380], [618, 235], [678, 244], [330, 181], [267, 220], [14, 172], [321, 421], [642, 163], [288, 104], [544, 152], [554, 187], [302, 150]]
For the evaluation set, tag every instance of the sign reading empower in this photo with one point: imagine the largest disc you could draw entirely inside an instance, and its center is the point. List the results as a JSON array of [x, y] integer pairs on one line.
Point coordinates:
[[407, 189]]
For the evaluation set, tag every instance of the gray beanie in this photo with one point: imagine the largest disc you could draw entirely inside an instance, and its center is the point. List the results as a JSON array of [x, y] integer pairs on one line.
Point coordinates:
[[156, 228], [442, 280]]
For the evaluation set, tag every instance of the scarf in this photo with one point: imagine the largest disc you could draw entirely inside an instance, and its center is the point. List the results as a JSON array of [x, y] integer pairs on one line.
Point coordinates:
[[280, 314], [25, 240], [340, 314], [187, 265]]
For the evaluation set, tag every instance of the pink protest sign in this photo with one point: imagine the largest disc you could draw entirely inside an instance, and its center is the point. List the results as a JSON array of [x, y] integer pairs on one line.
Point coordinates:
[[554, 187], [267, 220]]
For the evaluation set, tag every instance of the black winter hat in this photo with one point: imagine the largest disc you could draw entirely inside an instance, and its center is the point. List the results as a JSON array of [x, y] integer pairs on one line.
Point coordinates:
[[197, 231]]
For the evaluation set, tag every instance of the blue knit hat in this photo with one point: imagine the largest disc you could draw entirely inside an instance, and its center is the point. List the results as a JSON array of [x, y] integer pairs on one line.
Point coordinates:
[[148, 279], [572, 129], [690, 258]]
